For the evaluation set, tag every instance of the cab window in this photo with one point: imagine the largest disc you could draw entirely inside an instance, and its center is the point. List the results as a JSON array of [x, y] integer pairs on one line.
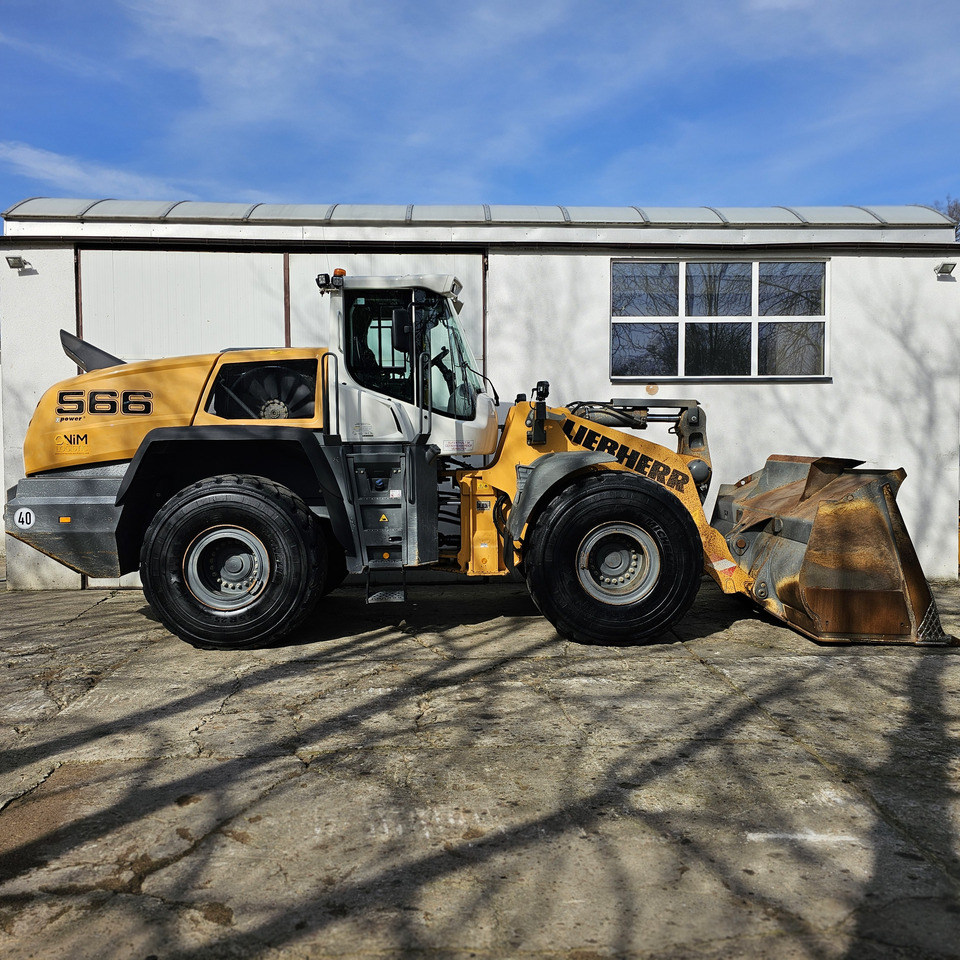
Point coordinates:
[[373, 361]]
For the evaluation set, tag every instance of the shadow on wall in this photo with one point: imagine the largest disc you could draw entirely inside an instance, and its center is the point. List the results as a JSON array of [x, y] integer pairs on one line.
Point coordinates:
[[917, 413]]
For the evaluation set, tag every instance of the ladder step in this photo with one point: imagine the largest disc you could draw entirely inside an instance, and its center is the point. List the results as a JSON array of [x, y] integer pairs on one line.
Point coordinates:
[[386, 587], [396, 595]]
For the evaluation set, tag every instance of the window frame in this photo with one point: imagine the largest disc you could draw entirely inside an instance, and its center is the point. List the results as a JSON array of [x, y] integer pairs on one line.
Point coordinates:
[[754, 318]]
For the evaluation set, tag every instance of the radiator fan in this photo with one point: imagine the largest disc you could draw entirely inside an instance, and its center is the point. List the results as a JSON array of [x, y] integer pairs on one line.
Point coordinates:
[[270, 393]]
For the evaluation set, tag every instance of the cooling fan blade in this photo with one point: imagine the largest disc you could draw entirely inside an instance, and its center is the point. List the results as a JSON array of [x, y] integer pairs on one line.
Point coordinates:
[[271, 392]]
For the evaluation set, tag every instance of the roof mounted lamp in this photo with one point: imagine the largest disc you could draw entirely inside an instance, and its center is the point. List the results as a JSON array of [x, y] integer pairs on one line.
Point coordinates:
[[941, 269]]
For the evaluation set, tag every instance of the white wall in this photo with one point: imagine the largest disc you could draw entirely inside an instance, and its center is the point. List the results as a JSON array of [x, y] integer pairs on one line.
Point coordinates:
[[894, 362], [158, 303], [3, 542], [143, 304], [894, 399], [36, 303]]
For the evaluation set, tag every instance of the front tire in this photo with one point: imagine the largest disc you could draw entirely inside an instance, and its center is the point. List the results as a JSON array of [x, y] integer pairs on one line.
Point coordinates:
[[232, 562], [613, 559]]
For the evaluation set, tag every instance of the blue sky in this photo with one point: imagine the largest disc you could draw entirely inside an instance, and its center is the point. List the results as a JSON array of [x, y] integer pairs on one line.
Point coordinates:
[[609, 102]]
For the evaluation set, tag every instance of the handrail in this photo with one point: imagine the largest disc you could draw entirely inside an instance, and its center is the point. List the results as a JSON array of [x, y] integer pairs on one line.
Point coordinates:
[[331, 425]]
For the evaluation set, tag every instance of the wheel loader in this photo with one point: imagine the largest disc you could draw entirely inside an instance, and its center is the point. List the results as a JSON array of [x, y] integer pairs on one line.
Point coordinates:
[[245, 485]]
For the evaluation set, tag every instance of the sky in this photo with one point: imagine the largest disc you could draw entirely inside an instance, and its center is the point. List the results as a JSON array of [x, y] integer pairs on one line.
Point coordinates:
[[573, 102]]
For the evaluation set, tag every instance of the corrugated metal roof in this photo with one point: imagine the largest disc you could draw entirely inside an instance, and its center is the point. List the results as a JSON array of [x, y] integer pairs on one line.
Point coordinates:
[[605, 215], [503, 213], [369, 213], [448, 213], [194, 211], [904, 215], [478, 224], [290, 212], [54, 208], [127, 210]]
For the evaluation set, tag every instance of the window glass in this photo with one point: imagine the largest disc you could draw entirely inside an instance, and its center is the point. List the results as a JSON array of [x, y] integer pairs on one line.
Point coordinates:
[[718, 349], [454, 382], [769, 341], [718, 289], [371, 359], [791, 289], [791, 349], [646, 289], [373, 362], [644, 349]]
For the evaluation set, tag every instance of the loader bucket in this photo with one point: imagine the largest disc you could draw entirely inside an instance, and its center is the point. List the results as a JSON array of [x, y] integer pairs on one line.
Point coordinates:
[[828, 552]]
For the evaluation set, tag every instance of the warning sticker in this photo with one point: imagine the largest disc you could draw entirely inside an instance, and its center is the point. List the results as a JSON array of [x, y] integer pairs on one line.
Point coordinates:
[[725, 567], [458, 446]]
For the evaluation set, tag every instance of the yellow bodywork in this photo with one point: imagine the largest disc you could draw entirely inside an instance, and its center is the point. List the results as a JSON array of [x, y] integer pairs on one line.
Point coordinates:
[[481, 547], [103, 416]]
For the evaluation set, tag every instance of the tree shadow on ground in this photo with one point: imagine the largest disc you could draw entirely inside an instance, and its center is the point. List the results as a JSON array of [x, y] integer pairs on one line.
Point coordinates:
[[417, 819]]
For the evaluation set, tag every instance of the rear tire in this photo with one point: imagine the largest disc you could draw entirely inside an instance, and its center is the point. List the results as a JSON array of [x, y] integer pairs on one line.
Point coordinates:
[[613, 559], [232, 562]]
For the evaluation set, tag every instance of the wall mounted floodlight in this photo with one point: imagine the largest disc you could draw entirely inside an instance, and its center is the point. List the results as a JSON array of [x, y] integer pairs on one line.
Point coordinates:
[[941, 269], [17, 263]]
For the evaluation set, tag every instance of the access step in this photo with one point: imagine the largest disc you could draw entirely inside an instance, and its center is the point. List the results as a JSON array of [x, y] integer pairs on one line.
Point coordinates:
[[383, 588]]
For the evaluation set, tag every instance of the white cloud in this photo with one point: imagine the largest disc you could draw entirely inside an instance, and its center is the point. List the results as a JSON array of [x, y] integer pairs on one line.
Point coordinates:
[[68, 61], [73, 175]]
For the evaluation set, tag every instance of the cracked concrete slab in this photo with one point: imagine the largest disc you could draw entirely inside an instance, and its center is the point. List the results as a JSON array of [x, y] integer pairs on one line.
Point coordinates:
[[447, 778]]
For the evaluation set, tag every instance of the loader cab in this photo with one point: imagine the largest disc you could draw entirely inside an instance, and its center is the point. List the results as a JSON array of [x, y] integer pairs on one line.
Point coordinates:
[[407, 368], [387, 329]]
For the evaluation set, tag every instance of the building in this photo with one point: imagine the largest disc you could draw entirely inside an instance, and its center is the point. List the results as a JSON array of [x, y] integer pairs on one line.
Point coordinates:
[[806, 330]]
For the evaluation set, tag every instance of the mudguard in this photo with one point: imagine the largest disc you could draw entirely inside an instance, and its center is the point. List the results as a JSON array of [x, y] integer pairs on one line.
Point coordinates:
[[534, 482]]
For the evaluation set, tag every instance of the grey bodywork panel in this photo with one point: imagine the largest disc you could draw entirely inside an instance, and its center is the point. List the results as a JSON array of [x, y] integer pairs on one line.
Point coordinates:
[[71, 516], [380, 499]]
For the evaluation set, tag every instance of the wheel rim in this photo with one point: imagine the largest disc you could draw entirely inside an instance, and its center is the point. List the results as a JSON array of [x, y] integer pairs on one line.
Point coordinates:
[[226, 568], [618, 563]]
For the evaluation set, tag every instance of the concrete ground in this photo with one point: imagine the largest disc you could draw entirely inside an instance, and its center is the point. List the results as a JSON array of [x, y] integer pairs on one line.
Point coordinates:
[[447, 779]]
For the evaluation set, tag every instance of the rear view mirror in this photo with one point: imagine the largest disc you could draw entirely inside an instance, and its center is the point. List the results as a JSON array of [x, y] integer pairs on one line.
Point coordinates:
[[401, 329]]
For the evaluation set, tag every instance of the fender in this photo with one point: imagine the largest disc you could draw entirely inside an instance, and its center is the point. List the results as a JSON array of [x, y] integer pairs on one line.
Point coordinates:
[[179, 450], [536, 482]]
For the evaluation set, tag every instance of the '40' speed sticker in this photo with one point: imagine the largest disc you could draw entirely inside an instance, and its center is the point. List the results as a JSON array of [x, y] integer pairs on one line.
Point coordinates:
[[24, 518]]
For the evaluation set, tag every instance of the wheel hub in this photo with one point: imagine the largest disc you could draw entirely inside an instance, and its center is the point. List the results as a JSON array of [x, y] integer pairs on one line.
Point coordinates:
[[618, 563], [226, 568]]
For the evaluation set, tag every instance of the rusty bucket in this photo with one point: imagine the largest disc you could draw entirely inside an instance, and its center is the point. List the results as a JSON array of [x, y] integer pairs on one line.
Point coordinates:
[[827, 551]]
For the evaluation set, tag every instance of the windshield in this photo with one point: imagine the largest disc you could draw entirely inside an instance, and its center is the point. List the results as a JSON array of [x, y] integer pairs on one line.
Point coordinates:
[[374, 362]]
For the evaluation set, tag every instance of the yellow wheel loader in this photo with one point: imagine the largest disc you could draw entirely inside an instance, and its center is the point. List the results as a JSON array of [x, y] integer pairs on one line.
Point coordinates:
[[245, 485]]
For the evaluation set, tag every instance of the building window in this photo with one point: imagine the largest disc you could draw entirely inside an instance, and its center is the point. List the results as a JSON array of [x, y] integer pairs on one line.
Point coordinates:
[[717, 319]]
